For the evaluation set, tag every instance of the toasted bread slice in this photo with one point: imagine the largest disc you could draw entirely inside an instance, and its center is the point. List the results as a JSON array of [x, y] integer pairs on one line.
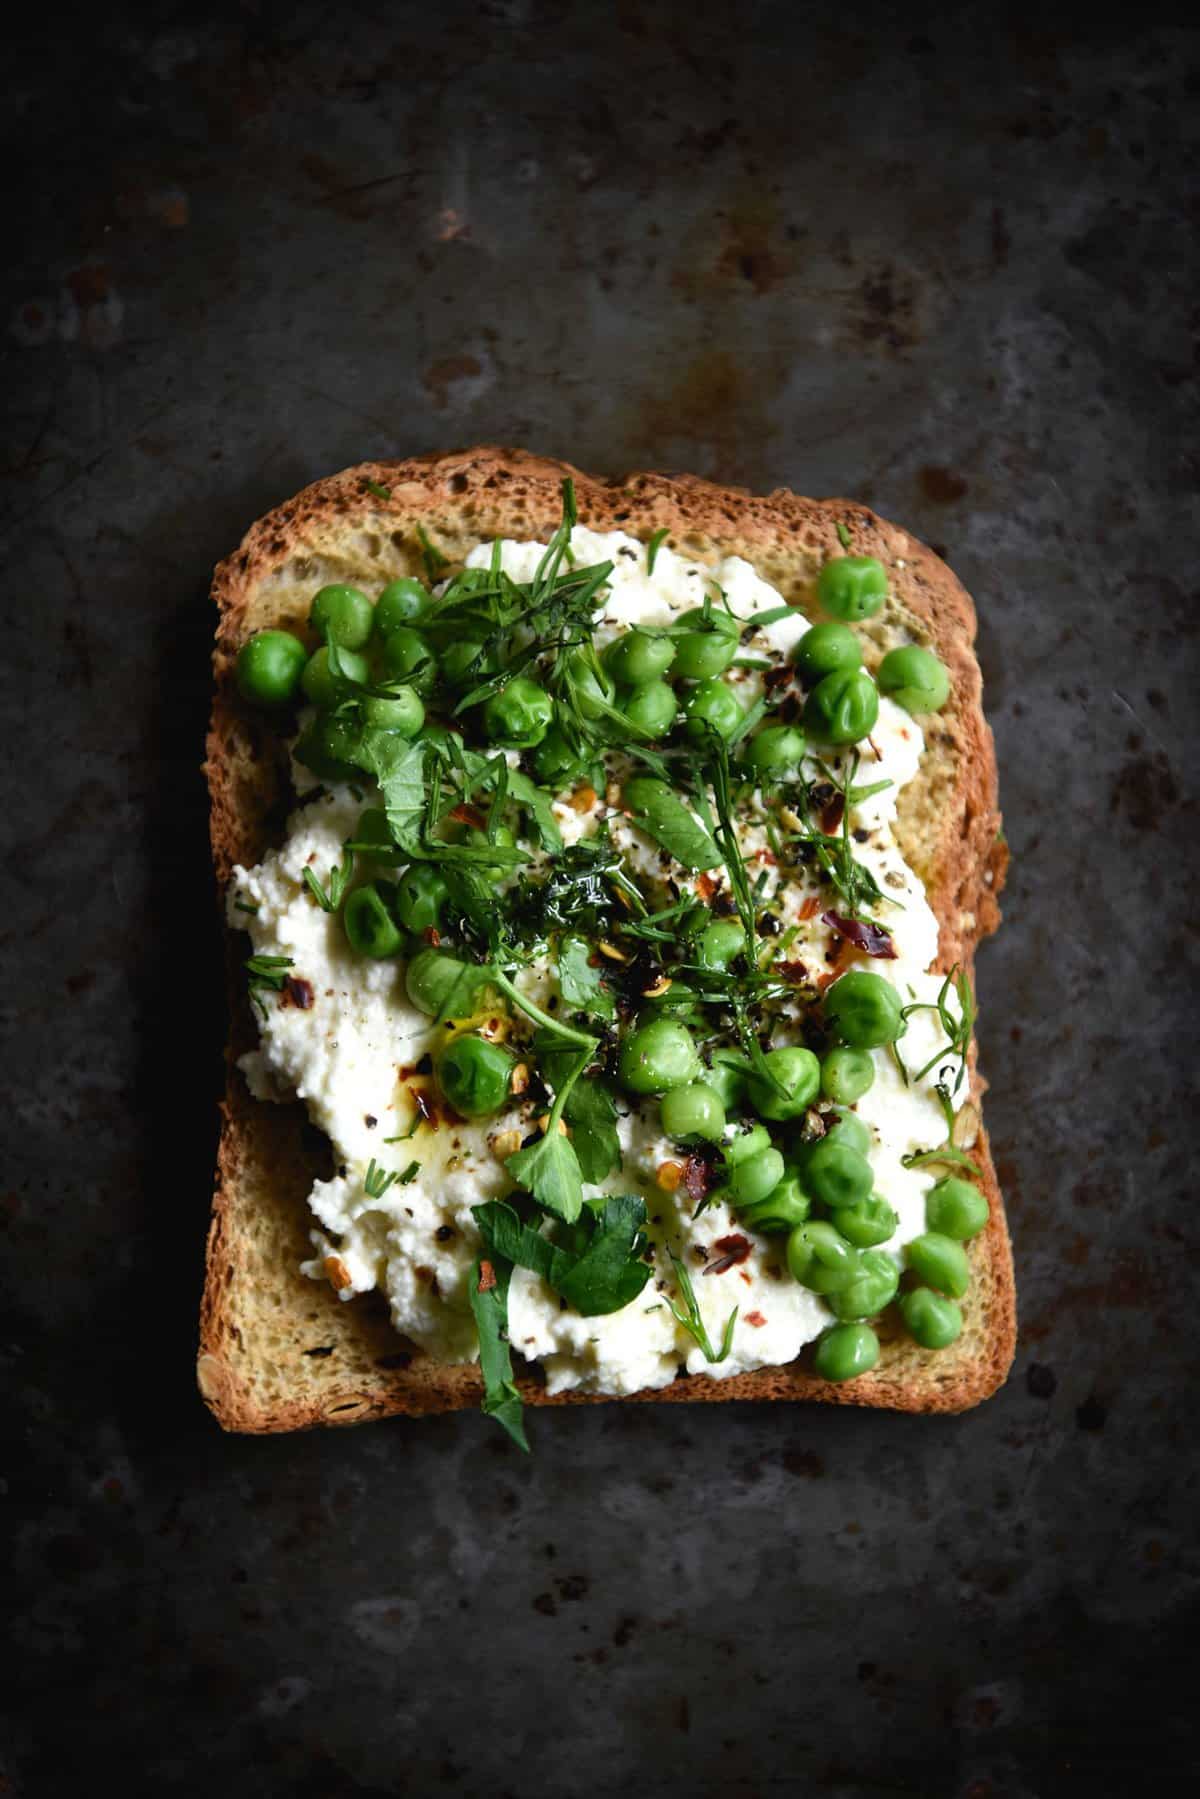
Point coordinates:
[[279, 1351]]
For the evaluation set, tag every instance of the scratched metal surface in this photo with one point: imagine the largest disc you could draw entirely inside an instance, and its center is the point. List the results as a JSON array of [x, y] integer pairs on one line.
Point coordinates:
[[941, 267]]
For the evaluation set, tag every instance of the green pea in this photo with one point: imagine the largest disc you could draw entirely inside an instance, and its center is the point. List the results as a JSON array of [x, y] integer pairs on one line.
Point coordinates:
[[466, 664], [658, 1055], [727, 1076], [709, 649], [518, 717], [329, 747], [915, 679], [852, 586], [873, 1287], [420, 895], [864, 1010], [774, 750], [322, 686], [638, 657], [956, 1209], [940, 1262], [593, 691], [344, 614], [370, 928], [747, 1143], [871, 1222], [402, 711], [819, 1257], [693, 1111], [407, 656], [836, 1175], [720, 942], [825, 650], [846, 1351], [932, 1320], [475, 1075], [842, 707], [711, 706], [755, 1176], [846, 1074], [798, 1072], [847, 1129], [441, 986], [555, 762], [784, 1207], [400, 603], [652, 708], [269, 668]]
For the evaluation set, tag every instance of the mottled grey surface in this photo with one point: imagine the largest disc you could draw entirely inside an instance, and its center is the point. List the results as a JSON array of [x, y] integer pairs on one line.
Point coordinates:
[[942, 266]]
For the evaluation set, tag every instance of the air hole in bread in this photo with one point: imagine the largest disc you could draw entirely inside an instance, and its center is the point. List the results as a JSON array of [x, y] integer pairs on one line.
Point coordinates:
[[372, 545], [456, 484]]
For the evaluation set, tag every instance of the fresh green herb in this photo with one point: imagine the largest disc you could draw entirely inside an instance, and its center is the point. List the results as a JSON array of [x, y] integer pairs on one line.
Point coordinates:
[[691, 1319], [243, 905], [958, 1029], [267, 974], [549, 1169], [660, 812], [843, 535], [653, 546], [376, 1181], [947, 1152], [408, 1174], [380, 492], [431, 556], [404, 1136], [582, 986], [597, 1269], [590, 1110], [487, 1291], [338, 880]]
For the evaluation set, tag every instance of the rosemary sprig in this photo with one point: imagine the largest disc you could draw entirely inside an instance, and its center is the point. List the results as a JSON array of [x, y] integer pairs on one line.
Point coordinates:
[[691, 1319], [339, 878]]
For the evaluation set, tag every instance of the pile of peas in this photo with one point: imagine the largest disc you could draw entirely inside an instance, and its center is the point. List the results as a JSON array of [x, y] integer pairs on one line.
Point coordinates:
[[819, 1191]]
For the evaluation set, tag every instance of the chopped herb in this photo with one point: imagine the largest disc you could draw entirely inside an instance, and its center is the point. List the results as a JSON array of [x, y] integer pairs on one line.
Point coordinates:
[[376, 1181], [267, 974], [487, 1292], [243, 905], [691, 1319], [843, 535], [654, 545], [958, 1029], [380, 492], [338, 881], [431, 556], [947, 1152]]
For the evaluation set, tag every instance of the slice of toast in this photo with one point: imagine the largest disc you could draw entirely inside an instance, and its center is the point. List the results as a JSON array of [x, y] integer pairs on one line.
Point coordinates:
[[279, 1351]]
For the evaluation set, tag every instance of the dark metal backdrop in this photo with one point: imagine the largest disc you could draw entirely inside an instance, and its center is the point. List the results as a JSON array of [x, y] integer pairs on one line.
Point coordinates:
[[944, 264]]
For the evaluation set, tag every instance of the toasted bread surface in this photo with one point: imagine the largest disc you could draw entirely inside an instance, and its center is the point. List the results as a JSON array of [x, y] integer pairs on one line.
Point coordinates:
[[279, 1351]]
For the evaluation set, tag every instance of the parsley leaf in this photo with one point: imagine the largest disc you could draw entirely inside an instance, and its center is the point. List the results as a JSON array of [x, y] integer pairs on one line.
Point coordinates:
[[582, 987], [487, 1290], [589, 1109], [599, 1272], [658, 810], [549, 1169]]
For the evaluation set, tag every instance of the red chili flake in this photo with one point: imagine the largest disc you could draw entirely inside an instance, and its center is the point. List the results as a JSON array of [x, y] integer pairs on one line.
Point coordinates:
[[729, 1252], [705, 888], [695, 1177], [432, 935], [469, 815], [810, 908], [296, 992], [831, 817], [795, 972], [743, 1276], [487, 1278], [756, 1319], [778, 676], [767, 856], [872, 939]]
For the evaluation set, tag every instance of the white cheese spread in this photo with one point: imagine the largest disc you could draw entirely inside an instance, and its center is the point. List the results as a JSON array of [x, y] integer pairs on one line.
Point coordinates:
[[352, 1055]]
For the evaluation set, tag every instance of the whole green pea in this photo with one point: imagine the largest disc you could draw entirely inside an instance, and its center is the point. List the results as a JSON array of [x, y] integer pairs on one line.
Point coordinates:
[[441, 986], [775, 750], [407, 655], [956, 1209], [846, 1075], [401, 711], [658, 1055], [321, 686], [940, 1262], [819, 1257], [720, 942], [343, 613], [867, 1224], [755, 1176], [852, 586], [835, 1175], [270, 667], [848, 1129], [370, 928], [846, 1351], [932, 1320], [519, 716], [873, 1287], [651, 709], [711, 706], [727, 1076], [400, 603], [864, 1010], [694, 1111], [638, 657], [709, 648], [747, 1143], [915, 679], [784, 1207], [798, 1074], [421, 893], [842, 707], [826, 650], [475, 1075], [329, 747]]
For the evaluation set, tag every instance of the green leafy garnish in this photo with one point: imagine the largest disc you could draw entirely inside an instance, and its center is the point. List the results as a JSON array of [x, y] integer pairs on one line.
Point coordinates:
[[596, 1268], [244, 905], [691, 1319], [582, 986], [376, 1181], [947, 1152], [487, 1291], [843, 535], [958, 1029], [339, 877], [378, 489], [658, 810], [267, 974], [653, 545]]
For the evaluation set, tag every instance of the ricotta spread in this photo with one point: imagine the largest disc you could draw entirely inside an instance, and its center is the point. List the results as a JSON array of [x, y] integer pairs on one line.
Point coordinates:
[[354, 1056]]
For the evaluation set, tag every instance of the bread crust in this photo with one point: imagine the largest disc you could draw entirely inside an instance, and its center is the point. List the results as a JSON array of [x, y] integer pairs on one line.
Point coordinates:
[[280, 1352]]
